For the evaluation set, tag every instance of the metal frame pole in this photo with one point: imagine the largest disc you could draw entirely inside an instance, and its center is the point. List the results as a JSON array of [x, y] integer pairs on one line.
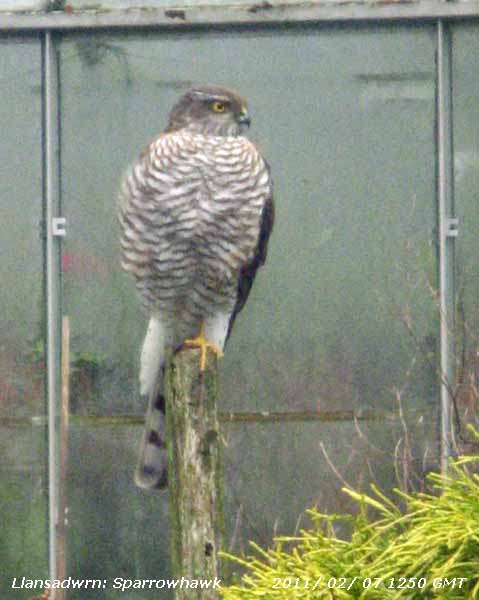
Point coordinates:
[[51, 203], [177, 16], [447, 229]]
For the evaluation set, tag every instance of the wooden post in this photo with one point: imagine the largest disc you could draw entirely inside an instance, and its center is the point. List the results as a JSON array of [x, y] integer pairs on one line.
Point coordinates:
[[194, 480]]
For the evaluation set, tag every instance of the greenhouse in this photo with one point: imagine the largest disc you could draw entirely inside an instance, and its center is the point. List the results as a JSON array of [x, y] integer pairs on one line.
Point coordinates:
[[356, 359]]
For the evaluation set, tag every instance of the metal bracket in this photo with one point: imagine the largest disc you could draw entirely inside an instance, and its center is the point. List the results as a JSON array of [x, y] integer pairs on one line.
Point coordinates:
[[58, 226], [452, 227]]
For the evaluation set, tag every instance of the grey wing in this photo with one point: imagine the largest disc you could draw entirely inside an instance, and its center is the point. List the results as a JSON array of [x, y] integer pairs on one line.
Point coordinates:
[[249, 270]]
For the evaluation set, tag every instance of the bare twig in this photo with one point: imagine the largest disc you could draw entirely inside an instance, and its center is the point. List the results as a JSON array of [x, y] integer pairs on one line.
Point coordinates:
[[333, 468]]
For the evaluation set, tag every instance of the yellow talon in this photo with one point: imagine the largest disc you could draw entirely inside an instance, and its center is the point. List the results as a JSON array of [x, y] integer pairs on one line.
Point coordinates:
[[202, 343]]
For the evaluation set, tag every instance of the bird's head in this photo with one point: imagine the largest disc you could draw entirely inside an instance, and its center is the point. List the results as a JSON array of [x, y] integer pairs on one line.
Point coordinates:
[[210, 110]]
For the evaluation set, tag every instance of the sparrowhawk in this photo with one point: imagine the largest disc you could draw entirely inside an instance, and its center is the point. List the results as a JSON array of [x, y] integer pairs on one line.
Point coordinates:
[[196, 213]]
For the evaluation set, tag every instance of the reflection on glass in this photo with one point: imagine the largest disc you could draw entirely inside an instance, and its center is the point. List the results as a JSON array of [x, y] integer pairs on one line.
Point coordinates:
[[466, 159], [343, 315], [276, 471], [21, 300], [116, 530], [23, 541]]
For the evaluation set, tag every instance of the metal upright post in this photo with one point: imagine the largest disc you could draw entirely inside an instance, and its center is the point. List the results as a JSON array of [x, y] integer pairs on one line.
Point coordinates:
[[53, 228], [447, 229]]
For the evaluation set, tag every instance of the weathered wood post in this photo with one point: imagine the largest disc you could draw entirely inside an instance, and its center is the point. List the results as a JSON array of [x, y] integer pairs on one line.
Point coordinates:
[[194, 471]]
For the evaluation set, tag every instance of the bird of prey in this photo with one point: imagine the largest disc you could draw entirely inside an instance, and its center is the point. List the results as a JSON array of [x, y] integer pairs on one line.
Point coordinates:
[[196, 213]]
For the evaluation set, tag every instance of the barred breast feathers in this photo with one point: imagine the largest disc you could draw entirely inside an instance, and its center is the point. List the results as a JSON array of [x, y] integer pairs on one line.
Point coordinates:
[[191, 205]]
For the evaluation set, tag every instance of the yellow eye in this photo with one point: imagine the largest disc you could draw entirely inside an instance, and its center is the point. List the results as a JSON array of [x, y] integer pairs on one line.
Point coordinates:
[[219, 107]]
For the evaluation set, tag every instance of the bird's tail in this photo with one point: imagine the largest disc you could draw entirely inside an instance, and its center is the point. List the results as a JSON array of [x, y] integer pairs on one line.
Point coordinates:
[[151, 470]]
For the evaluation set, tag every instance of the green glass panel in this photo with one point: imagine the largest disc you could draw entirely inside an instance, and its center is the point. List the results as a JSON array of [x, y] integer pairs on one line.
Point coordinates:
[[342, 317], [23, 501], [21, 300], [116, 530], [275, 472], [466, 162], [343, 312]]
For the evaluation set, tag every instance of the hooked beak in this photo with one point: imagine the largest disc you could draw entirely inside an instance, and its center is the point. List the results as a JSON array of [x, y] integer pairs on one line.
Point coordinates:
[[244, 118]]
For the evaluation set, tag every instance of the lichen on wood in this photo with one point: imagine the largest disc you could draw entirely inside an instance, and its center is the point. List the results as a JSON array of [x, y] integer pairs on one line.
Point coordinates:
[[194, 470]]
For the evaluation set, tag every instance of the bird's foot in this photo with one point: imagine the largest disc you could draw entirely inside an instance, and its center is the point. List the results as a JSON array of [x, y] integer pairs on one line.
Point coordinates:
[[204, 345]]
